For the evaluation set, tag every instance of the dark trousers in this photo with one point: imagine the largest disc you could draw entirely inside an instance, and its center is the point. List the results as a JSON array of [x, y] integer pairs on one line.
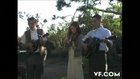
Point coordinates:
[[22, 72], [97, 64], [21, 65], [35, 66]]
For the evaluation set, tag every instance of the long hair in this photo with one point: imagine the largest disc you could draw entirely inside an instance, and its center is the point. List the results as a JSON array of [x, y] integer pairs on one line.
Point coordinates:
[[76, 25]]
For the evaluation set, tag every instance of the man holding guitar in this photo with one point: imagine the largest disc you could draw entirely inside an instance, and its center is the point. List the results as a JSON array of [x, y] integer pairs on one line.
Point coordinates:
[[97, 59], [34, 43]]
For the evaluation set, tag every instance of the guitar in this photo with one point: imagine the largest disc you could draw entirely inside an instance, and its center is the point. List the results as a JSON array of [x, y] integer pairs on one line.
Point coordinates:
[[93, 45], [36, 44]]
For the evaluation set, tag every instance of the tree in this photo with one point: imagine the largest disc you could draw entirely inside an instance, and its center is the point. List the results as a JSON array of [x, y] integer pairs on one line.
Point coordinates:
[[24, 16], [63, 3], [88, 9]]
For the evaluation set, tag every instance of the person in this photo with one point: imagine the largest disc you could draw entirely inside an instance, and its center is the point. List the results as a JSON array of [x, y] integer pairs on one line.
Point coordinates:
[[97, 61], [50, 46], [35, 58], [74, 41]]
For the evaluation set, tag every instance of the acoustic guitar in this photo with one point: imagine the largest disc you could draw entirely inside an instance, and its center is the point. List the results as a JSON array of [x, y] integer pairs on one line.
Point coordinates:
[[36, 44], [93, 45]]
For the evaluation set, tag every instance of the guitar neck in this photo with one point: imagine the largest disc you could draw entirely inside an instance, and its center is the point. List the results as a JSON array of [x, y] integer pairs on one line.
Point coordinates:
[[111, 37], [97, 42], [100, 40]]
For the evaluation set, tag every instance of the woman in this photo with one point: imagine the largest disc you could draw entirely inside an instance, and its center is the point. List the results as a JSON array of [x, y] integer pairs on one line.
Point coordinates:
[[75, 70]]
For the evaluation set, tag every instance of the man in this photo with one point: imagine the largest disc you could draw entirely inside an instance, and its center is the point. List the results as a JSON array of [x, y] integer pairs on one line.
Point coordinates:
[[97, 60], [35, 58]]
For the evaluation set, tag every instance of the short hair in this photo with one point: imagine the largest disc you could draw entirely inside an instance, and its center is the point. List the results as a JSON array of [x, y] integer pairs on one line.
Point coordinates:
[[97, 16], [31, 18]]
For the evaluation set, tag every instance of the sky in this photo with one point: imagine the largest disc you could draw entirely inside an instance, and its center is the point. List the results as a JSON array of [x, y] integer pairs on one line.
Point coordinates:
[[46, 9]]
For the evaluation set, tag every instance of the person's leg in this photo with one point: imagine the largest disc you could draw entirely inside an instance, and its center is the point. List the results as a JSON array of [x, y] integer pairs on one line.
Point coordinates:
[[30, 67], [30, 71], [97, 64], [39, 67], [22, 72], [90, 68]]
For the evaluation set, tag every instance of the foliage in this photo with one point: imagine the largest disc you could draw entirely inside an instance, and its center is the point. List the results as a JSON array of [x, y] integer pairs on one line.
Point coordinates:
[[57, 36], [64, 3], [24, 16]]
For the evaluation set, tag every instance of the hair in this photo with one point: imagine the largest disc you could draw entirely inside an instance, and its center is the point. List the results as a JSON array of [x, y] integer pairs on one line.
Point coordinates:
[[97, 16], [32, 19], [76, 25]]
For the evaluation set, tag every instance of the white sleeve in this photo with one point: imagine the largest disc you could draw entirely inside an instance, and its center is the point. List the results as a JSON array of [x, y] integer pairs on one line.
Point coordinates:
[[86, 36], [108, 34]]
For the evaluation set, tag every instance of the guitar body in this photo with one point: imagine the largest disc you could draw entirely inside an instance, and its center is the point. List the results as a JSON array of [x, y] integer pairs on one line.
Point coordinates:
[[36, 45], [92, 48], [93, 45]]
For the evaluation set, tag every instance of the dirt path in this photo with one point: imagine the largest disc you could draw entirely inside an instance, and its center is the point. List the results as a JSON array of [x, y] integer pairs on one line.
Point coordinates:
[[55, 68]]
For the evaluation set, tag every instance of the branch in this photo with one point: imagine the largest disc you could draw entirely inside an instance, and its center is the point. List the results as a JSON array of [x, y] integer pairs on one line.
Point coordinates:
[[64, 20], [117, 13], [74, 15]]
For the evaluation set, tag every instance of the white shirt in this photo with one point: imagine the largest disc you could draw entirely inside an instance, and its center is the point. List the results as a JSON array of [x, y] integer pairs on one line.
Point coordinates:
[[100, 33], [34, 36]]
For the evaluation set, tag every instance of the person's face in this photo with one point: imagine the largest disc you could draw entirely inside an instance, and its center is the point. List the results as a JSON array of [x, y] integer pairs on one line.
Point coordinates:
[[73, 29], [32, 24], [96, 22]]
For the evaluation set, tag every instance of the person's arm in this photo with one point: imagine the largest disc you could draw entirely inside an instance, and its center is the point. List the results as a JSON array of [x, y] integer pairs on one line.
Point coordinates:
[[23, 41], [83, 39], [107, 41], [43, 39], [79, 46]]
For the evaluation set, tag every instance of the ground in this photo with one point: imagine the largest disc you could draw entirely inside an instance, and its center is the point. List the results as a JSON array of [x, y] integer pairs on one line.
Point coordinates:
[[56, 67]]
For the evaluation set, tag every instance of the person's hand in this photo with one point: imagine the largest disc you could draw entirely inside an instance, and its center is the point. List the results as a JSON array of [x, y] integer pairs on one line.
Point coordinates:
[[105, 40], [85, 46], [42, 50], [40, 38], [30, 45], [67, 42]]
